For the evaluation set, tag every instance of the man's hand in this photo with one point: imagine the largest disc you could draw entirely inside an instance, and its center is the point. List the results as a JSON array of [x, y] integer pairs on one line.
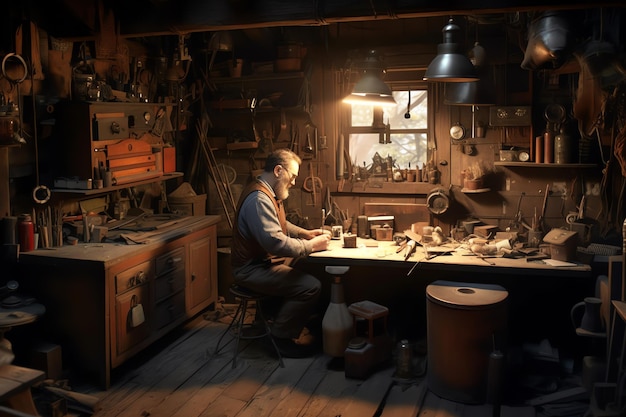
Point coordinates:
[[320, 242], [310, 234]]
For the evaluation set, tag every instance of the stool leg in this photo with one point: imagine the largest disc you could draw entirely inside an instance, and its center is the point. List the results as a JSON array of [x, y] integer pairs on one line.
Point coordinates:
[[242, 317], [230, 325], [268, 333]]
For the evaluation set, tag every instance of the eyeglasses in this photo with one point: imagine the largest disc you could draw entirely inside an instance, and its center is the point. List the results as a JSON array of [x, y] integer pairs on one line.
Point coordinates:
[[292, 176]]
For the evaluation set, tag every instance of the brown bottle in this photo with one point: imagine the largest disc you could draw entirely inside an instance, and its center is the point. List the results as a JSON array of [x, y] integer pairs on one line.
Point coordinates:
[[539, 149], [548, 146]]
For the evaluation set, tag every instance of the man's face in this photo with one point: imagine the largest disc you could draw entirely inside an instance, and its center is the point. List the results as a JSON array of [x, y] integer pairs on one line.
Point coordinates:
[[286, 179]]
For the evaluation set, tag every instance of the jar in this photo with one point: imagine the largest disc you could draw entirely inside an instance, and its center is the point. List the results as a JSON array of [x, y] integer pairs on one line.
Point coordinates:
[[562, 148], [360, 358], [26, 232]]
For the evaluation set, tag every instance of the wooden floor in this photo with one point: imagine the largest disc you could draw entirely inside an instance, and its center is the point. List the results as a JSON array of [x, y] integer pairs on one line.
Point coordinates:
[[178, 377]]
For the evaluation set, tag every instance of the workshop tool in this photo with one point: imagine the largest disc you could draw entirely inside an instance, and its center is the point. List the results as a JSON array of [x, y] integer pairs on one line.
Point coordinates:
[[295, 137], [312, 184], [410, 247], [402, 245], [308, 148], [283, 135], [541, 222], [216, 174]]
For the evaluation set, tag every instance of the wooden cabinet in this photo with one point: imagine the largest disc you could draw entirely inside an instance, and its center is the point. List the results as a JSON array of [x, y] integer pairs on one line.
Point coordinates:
[[122, 141], [90, 290], [203, 261]]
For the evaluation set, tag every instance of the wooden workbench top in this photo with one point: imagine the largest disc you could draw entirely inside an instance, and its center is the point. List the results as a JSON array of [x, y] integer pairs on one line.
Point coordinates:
[[383, 253], [112, 252]]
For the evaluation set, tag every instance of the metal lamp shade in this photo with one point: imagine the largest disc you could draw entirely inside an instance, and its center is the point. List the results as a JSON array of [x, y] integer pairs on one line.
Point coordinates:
[[370, 89], [449, 65]]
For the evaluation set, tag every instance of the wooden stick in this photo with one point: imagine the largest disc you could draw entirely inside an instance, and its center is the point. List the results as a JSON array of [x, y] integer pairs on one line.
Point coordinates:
[[212, 170]]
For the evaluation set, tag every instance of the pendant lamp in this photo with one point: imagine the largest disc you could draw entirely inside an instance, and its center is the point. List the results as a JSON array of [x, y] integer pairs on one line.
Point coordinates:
[[450, 65], [371, 89]]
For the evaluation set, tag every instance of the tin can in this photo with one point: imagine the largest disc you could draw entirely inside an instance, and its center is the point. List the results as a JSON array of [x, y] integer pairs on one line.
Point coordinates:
[[26, 233]]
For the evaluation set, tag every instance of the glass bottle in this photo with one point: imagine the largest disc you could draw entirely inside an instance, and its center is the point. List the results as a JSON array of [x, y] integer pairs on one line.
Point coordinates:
[[337, 322]]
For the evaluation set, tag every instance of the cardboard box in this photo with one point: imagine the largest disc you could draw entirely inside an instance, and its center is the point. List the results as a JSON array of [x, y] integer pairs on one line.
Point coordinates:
[[562, 244]]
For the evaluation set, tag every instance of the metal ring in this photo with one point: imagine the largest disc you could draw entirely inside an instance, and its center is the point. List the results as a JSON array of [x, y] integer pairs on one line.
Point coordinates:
[[41, 194], [19, 58]]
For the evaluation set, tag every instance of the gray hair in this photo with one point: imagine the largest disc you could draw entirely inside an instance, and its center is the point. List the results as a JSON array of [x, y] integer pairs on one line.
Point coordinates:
[[280, 157]]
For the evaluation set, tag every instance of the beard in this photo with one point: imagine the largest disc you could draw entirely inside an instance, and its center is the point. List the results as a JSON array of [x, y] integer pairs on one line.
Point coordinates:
[[282, 188]]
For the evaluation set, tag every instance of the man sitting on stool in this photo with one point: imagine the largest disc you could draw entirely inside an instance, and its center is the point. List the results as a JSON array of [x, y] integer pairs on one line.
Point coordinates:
[[261, 233]]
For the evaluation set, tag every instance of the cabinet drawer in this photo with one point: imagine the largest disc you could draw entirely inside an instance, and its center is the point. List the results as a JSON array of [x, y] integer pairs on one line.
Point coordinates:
[[173, 260], [134, 276], [166, 285], [169, 310]]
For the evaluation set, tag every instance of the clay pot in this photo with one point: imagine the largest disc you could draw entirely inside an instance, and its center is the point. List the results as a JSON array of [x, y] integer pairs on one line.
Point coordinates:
[[473, 184]]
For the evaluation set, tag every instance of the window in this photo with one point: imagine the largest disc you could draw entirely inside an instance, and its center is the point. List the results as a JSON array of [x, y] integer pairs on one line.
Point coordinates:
[[376, 133]]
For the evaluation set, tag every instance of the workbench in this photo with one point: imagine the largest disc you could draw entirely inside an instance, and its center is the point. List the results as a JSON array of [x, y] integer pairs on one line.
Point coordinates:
[[106, 302], [540, 295], [451, 257]]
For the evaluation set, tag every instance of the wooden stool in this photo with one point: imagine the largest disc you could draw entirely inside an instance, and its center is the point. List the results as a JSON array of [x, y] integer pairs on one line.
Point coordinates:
[[237, 325], [15, 396]]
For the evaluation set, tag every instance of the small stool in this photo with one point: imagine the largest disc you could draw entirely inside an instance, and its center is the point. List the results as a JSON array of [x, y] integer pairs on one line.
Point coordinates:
[[237, 324]]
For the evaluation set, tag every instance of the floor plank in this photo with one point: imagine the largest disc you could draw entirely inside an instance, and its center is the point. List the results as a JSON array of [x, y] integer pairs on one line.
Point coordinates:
[[182, 378], [404, 401]]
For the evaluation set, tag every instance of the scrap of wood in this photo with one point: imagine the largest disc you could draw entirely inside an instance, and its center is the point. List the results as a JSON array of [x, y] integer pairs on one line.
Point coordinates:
[[83, 401]]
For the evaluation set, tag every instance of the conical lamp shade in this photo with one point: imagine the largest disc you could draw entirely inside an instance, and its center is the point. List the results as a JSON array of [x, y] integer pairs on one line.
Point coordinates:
[[370, 89], [449, 65]]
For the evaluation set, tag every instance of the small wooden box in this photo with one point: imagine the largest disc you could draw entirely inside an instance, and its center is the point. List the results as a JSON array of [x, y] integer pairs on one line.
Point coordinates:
[[562, 244], [189, 206], [47, 357], [382, 233]]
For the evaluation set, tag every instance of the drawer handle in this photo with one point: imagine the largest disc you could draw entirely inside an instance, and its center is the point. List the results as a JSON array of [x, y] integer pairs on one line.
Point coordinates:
[[193, 277], [139, 278], [172, 261]]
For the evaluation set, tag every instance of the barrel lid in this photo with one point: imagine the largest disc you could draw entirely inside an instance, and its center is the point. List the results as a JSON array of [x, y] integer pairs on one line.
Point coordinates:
[[466, 295]]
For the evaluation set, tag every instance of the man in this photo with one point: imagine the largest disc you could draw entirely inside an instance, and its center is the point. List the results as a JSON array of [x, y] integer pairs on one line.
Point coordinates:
[[262, 233]]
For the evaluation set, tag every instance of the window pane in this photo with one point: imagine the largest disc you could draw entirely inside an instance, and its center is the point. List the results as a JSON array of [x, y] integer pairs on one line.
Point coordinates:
[[406, 149], [362, 114], [408, 136]]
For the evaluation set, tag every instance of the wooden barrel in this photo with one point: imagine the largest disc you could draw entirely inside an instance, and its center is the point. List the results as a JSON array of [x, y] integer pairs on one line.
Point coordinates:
[[465, 323]]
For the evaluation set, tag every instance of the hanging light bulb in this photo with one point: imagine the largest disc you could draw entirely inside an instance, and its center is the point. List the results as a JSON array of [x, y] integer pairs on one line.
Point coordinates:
[[450, 65]]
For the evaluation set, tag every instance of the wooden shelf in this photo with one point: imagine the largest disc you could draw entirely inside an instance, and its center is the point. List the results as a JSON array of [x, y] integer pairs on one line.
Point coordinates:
[[536, 165], [96, 191]]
